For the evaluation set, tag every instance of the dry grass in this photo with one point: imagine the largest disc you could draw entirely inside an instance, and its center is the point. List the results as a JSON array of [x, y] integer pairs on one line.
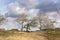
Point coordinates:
[[38, 35]]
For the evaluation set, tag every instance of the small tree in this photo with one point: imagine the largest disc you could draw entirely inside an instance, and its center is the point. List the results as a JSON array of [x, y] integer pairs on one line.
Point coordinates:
[[2, 19], [21, 19], [49, 23], [40, 19]]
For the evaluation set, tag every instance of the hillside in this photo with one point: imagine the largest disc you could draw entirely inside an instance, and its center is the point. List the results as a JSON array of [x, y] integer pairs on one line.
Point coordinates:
[[38, 35]]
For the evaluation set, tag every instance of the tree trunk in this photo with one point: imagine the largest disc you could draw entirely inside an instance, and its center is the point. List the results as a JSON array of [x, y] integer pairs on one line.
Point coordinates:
[[22, 27], [40, 25], [27, 28]]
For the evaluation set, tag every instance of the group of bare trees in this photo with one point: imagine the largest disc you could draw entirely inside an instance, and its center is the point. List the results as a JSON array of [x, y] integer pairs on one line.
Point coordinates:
[[24, 18], [40, 20]]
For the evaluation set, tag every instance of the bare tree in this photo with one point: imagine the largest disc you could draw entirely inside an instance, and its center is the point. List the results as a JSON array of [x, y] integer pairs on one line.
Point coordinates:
[[44, 21], [57, 10], [50, 23], [40, 19], [31, 23], [21, 19], [2, 19]]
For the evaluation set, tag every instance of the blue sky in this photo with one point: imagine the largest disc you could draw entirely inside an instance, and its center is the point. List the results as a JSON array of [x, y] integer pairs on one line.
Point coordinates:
[[3, 5], [5, 2]]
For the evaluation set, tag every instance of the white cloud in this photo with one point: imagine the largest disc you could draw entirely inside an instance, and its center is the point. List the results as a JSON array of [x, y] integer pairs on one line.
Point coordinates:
[[12, 7], [52, 15], [28, 3], [18, 9], [55, 1], [3, 10]]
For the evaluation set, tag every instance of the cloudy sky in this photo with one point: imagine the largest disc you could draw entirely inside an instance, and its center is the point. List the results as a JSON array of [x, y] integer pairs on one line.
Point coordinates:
[[11, 8], [16, 5]]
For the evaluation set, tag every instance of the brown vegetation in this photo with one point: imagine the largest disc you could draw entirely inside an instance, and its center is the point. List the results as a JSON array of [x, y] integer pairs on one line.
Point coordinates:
[[37, 35]]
